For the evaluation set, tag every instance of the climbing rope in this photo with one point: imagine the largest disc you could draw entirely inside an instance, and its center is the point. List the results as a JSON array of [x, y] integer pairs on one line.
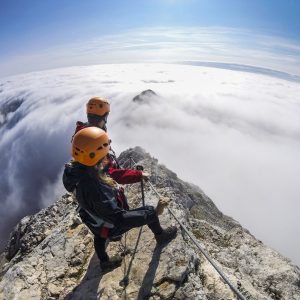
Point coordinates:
[[125, 281], [125, 278], [192, 237]]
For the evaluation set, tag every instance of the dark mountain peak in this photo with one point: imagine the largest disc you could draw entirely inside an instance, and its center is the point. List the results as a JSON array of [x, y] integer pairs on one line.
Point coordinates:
[[144, 96]]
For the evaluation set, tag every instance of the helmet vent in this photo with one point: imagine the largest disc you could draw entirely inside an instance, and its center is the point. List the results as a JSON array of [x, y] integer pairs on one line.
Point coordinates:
[[76, 153], [105, 145], [92, 155], [100, 148]]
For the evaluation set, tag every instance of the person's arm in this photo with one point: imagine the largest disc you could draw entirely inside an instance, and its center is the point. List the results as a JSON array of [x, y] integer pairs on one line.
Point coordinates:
[[125, 176]]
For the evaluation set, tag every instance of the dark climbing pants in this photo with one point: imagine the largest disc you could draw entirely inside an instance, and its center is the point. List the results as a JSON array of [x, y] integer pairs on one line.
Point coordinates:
[[130, 219]]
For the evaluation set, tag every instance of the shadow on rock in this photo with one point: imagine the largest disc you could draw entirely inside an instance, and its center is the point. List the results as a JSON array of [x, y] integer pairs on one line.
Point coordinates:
[[146, 286], [87, 289]]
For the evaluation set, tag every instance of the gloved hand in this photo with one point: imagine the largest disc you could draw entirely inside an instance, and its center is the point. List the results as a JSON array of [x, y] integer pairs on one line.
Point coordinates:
[[162, 203]]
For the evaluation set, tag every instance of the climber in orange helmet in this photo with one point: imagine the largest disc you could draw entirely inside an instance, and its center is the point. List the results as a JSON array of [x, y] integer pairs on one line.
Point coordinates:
[[97, 110], [104, 212]]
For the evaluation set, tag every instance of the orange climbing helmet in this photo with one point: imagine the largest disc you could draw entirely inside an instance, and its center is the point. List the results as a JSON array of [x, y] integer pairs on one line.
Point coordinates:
[[90, 145], [98, 106]]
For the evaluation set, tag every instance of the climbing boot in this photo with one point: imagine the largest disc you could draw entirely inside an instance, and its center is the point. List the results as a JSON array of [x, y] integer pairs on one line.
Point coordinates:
[[167, 235], [112, 263]]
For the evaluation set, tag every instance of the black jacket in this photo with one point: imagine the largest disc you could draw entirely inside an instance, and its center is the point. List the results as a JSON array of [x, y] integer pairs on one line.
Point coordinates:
[[91, 193]]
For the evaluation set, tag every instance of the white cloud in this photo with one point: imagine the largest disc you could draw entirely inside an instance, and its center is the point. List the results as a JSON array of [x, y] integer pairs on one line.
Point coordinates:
[[235, 134]]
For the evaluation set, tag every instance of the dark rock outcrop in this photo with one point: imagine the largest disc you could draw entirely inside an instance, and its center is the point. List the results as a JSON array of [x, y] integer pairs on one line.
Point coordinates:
[[144, 96], [8, 107]]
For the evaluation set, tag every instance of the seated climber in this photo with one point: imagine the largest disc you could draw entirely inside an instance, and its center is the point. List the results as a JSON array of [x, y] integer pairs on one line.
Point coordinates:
[[104, 211]]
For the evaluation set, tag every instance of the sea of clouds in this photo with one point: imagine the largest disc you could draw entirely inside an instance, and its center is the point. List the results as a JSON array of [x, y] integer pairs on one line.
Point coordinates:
[[234, 134]]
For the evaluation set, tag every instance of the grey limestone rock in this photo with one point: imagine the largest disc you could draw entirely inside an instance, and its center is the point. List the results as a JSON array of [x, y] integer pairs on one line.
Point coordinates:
[[50, 255]]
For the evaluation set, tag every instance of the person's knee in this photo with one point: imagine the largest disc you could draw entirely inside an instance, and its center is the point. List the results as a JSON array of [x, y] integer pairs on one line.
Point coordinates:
[[150, 208], [151, 214], [148, 212]]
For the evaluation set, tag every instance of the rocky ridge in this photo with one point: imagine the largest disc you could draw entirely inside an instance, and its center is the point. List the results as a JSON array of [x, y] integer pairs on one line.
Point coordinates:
[[50, 255]]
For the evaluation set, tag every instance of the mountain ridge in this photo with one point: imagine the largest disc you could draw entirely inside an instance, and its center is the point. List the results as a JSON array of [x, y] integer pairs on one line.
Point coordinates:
[[50, 254]]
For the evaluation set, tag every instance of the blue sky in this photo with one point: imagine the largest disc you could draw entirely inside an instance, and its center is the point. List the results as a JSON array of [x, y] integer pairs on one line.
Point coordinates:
[[46, 34], [33, 26]]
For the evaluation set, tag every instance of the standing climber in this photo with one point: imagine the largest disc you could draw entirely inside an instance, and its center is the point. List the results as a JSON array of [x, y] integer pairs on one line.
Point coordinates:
[[104, 211], [97, 110]]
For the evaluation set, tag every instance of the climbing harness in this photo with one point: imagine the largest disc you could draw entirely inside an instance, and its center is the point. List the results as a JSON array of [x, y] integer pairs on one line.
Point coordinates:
[[192, 237], [97, 221]]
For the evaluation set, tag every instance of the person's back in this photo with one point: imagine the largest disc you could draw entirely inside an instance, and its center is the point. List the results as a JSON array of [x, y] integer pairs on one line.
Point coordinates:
[[91, 194]]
